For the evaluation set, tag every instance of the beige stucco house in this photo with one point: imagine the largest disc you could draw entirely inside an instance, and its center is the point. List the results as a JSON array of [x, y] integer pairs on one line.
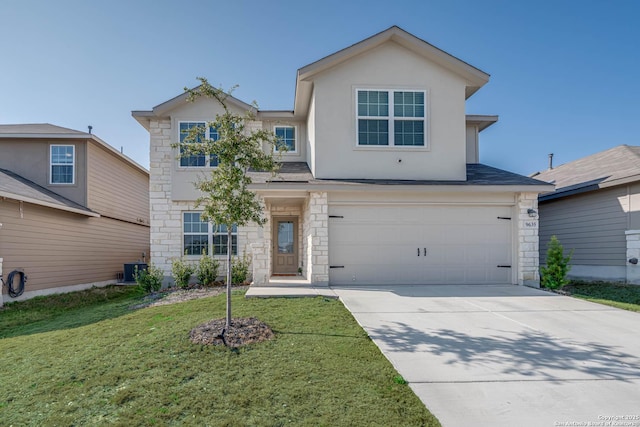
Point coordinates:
[[73, 209], [381, 183], [595, 213]]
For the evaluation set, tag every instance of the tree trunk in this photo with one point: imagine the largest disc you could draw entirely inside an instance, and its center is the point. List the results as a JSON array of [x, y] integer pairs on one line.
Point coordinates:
[[229, 247]]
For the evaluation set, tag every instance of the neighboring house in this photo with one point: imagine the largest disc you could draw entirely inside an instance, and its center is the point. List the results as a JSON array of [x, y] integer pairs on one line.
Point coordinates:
[[595, 211], [73, 209], [381, 183]]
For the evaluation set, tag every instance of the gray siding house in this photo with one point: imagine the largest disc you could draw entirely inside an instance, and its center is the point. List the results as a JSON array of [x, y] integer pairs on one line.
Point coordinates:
[[595, 211]]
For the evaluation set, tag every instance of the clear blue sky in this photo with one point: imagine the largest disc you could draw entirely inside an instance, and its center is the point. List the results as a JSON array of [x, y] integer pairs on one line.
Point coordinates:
[[565, 75]]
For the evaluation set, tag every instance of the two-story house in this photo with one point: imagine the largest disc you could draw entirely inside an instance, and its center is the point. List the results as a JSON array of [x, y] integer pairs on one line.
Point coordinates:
[[73, 209], [381, 183]]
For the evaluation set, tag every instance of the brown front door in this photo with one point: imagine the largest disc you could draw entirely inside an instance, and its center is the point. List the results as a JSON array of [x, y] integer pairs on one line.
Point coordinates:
[[285, 246]]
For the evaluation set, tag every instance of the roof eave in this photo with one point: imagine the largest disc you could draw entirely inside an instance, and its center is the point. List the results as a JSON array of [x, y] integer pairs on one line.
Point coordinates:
[[560, 193], [439, 188], [482, 121], [25, 199]]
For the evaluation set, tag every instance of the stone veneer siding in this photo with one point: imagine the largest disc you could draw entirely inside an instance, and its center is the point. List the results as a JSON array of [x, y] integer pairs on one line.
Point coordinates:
[[316, 238], [633, 251], [528, 244], [166, 214]]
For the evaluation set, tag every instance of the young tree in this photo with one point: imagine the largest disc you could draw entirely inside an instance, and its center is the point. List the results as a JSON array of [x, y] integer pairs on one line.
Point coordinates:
[[554, 275], [226, 199]]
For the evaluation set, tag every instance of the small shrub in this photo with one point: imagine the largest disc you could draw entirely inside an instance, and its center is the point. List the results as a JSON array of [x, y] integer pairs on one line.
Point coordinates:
[[554, 275], [240, 269], [399, 380], [149, 279], [207, 269], [181, 272]]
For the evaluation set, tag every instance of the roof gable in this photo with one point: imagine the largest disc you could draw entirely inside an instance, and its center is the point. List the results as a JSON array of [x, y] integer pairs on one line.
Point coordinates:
[[164, 109], [474, 77]]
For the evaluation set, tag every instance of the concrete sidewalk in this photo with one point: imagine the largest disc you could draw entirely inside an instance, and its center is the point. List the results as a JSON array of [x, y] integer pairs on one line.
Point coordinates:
[[506, 355]]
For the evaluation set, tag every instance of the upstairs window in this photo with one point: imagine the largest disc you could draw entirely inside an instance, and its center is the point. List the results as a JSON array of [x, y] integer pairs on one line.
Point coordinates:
[[201, 237], [391, 118], [204, 132], [287, 137], [62, 161]]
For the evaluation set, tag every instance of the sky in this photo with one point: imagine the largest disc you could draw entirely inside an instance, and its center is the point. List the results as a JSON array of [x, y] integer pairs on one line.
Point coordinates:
[[564, 74]]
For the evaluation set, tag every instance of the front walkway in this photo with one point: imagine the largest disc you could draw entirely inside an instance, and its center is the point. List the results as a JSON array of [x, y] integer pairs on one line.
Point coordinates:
[[289, 287]]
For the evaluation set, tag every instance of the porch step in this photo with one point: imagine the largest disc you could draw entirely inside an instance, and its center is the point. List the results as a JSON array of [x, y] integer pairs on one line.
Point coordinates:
[[286, 290]]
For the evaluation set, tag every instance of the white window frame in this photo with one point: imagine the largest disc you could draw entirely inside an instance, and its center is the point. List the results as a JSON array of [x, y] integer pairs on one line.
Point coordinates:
[[295, 138], [212, 230], [52, 164], [207, 135], [391, 119]]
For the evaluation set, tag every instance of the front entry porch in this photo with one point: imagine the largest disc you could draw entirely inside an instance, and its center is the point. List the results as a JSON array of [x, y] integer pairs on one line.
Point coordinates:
[[292, 247]]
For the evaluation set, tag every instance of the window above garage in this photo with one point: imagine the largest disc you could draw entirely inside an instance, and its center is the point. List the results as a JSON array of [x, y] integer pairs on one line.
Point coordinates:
[[391, 118]]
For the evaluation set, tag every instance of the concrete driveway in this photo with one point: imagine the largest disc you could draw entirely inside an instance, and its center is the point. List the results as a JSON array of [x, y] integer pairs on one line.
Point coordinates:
[[506, 355]]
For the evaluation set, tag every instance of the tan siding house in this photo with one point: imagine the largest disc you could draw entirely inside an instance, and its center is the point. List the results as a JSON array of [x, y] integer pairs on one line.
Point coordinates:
[[382, 183], [73, 210], [595, 212]]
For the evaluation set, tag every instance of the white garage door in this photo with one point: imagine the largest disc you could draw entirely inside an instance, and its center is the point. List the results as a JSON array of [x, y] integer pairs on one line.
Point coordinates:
[[442, 244]]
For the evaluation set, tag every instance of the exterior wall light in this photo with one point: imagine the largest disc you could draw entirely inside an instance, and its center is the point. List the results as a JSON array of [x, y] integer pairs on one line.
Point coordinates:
[[532, 212]]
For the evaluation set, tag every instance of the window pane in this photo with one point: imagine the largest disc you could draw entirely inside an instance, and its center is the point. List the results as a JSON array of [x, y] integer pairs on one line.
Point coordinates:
[[373, 132], [408, 104], [287, 136], [285, 237], [409, 132], [197, 160], [196, 244], [373, 103], [62, 174], [62, 154]]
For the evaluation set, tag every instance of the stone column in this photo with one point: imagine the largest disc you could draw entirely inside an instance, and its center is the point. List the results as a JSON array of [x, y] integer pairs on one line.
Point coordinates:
[[528, 243], [633, 252], [165, 223], [319, 238], [259, 262]]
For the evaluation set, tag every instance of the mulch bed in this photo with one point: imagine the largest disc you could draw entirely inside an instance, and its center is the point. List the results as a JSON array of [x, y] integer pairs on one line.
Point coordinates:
[[243, 331]]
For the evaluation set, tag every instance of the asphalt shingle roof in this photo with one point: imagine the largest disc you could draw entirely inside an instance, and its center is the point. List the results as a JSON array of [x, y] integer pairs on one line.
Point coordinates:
[[477, 174], [606, 168], [38, 129], [13, 184]]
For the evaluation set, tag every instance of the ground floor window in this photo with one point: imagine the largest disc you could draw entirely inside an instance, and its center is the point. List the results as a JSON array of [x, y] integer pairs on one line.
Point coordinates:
[[200, 236]]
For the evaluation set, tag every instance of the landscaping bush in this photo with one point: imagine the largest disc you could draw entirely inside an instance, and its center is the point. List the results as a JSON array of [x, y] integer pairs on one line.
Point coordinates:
[[207, 269], [554, 275], [149, 279], [181, 272], [240, 269]]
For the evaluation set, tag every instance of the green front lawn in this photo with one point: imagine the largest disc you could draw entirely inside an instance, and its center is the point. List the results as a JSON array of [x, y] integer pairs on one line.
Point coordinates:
[[617, 295], [139, 368]]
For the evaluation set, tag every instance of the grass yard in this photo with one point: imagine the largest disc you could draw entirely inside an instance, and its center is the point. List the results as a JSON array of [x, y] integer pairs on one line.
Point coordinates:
[[626, 297], [138, 367]]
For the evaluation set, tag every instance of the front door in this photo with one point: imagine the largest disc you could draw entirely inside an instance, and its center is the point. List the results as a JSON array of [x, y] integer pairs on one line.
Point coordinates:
[[285, 246]]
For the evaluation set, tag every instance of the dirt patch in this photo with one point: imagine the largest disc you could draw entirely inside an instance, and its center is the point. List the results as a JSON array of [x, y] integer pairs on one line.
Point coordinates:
[[175, 295], [243, 331]]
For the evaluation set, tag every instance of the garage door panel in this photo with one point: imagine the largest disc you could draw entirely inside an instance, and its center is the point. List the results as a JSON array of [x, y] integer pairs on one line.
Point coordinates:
[[379, 244]]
